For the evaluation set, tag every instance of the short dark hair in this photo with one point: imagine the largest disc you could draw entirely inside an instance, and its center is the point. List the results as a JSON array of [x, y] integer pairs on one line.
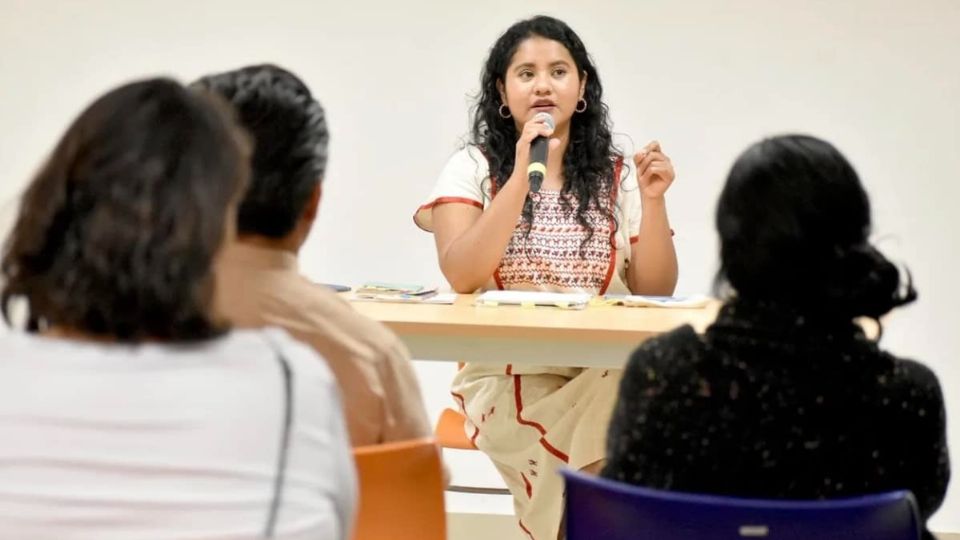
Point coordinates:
[[117, 233], [794, 221], [290, 135]]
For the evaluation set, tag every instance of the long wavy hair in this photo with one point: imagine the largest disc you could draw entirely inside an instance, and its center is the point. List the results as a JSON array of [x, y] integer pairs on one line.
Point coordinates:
[[588, 163]]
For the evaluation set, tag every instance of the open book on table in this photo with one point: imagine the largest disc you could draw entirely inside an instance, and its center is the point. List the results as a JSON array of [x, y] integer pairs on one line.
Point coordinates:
[[530, 298], [637, 300], [582, 300]]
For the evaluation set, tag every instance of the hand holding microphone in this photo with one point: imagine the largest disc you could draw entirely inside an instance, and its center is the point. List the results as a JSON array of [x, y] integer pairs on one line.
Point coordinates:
[[532, 149], [537, 169]]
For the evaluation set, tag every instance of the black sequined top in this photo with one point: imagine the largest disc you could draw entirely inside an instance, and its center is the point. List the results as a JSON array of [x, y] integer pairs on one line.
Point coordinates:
[[771, 404]]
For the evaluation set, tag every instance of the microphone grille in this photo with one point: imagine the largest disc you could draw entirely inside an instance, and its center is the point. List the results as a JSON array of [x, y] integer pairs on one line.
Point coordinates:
[[547, 119]]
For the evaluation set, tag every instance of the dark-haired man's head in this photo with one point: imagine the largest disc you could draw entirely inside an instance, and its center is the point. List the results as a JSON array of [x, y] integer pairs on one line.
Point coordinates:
[[290, 135]]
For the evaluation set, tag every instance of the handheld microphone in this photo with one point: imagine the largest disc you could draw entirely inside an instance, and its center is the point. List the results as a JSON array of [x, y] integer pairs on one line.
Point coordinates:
[[538, 155]]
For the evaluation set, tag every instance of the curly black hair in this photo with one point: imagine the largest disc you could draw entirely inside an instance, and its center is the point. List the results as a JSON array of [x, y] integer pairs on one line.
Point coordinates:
[[117, 233], [289, 128], [588, 163]]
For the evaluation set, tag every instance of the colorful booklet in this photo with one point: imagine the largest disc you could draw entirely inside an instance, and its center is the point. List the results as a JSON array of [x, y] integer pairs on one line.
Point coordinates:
[[378, 291], [384, 289]]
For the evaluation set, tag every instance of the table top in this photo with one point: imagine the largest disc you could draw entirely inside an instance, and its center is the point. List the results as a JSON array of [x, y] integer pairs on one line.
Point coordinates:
[[595, 323]]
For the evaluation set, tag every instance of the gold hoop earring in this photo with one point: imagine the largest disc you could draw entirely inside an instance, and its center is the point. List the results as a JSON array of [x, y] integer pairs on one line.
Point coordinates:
[[578, 108], [500, 111]]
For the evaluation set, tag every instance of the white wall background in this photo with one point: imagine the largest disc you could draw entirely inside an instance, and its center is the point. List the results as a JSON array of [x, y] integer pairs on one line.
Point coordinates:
[[879, 78]]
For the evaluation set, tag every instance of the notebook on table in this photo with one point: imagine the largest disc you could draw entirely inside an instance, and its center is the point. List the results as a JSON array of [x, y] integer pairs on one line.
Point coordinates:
[[637, 300], [530, 298]]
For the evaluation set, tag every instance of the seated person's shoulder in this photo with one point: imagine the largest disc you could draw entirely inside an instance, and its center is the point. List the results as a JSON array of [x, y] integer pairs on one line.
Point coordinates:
[[912, 375], [681, 347], [335, 316], [277, 345]]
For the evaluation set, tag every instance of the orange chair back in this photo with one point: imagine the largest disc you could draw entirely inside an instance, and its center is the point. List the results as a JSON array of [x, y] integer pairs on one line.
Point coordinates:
[[451, 432], [401, 492]]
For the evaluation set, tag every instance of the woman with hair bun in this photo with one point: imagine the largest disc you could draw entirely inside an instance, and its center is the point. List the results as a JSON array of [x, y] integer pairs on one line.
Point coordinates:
[[784, 396]]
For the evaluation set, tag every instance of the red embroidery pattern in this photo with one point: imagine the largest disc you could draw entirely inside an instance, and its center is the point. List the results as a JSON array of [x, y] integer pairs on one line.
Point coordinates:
[[549, 258]]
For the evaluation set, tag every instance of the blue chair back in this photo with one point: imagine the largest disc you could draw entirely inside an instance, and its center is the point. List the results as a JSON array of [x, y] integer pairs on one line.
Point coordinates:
[[602, 509]]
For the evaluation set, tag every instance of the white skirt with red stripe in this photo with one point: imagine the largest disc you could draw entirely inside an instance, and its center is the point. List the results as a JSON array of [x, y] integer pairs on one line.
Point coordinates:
[[531, 424]]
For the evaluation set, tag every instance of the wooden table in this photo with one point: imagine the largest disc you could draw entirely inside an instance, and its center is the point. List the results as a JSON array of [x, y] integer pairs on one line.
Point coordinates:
[[599, 336]]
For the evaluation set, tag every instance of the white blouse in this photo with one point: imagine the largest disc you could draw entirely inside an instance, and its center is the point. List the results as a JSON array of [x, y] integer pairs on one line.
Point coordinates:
[[161, 441], [550, 258]]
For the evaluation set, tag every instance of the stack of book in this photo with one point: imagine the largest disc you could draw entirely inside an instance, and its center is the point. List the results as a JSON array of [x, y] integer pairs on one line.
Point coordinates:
[[377, 291]]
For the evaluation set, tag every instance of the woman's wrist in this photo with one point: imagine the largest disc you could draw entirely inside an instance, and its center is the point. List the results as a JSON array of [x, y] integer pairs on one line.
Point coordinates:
[[653, 203], [517, 185]]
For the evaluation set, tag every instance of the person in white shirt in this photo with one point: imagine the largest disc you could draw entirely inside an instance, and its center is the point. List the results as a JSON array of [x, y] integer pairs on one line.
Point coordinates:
[[126, 410]]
